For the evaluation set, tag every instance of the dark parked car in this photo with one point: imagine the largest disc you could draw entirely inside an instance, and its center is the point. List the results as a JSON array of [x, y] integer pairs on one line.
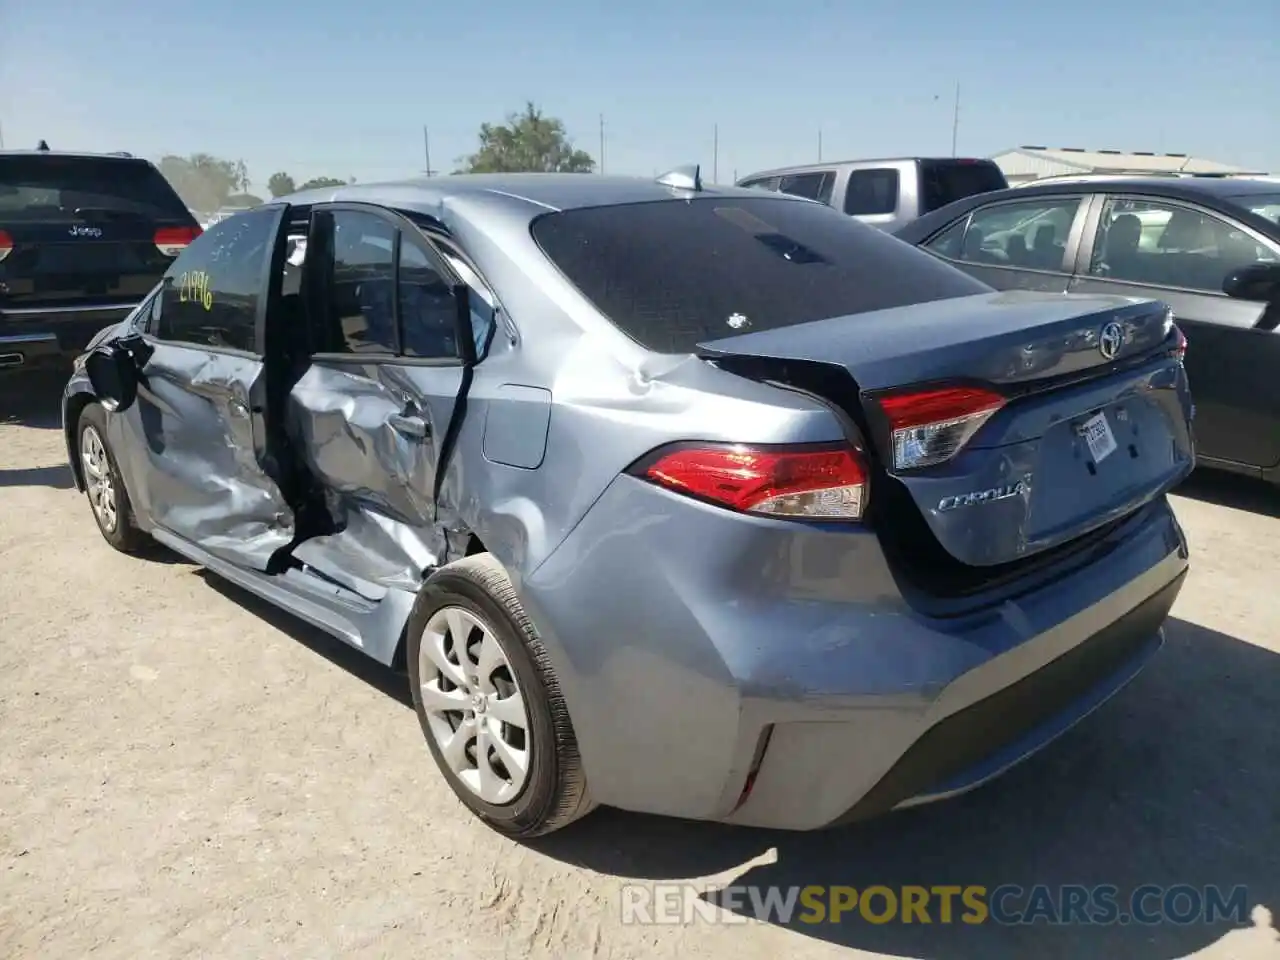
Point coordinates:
[[83, 238], [884, 193], [1210, 248], [695, 501]]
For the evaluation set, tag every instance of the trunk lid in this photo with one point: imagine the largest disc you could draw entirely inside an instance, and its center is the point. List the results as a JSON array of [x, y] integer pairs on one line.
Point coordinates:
[[1029, 479]]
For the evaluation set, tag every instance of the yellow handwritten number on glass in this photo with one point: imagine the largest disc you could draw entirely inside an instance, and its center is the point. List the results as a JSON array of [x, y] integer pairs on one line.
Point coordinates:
[[194, 287]]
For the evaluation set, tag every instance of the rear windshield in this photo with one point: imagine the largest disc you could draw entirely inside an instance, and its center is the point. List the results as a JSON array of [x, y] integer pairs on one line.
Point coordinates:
[[672, 274], [54, 188], [946, 181]]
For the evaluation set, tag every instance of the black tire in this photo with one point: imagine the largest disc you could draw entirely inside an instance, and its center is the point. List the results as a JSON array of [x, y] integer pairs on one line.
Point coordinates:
[[555, 793], [125, 535]]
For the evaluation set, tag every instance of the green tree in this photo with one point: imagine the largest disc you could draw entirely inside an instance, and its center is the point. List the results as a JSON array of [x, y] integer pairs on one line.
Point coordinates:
[[527, 142], [281, 184], [319, 183], [202, 181]]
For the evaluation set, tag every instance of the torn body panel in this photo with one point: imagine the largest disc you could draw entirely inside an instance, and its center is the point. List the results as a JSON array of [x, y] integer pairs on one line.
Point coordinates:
[[370, 434], [194, 454]]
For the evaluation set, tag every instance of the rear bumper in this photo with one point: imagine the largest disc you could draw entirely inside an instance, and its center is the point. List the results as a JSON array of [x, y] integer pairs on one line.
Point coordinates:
[[970, 747], [784, 657], [42, 337]]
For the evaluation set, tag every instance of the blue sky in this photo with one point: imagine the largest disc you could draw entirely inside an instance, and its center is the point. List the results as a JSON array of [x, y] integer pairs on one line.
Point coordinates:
[[343, 89]]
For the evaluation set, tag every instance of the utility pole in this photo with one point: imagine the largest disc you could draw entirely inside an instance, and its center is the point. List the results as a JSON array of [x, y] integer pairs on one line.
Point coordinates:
[[819, 144], [955, 120], [1, 138], [715, 154], [602, 144], [426, 148]]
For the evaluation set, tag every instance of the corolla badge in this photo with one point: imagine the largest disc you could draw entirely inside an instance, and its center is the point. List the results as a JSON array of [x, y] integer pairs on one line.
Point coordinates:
[[79, 231], [1110, 340], [1015, 489], [738, 321]]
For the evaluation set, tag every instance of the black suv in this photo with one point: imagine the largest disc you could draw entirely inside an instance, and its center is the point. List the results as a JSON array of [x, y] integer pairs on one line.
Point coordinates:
[[83, 238]]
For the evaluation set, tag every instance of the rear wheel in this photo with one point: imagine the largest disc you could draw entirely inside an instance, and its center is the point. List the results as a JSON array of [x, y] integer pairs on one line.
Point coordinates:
[[112, 510], [489, 702]]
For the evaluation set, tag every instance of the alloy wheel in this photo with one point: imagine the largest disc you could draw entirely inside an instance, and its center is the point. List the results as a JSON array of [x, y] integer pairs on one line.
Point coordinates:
[[98, 480], [474, 706]]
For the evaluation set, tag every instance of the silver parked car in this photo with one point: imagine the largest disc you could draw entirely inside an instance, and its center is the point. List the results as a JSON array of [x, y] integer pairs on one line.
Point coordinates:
[[885, 193], [703, 502]]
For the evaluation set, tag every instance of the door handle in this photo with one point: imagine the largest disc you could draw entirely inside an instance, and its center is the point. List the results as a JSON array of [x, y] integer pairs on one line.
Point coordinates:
[[409, 425]]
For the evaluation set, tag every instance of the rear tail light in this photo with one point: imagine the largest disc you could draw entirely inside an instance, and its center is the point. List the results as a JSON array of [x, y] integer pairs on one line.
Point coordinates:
[[932, 426], [6, 244], [810, 482], [171, 241], [1179, 344]]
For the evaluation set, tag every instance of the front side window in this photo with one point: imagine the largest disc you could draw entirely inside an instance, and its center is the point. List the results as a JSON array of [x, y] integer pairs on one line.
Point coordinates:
[[212, 290], [1030, 234], [1169, 245], [871, 192], [673, 274], [811, 186]]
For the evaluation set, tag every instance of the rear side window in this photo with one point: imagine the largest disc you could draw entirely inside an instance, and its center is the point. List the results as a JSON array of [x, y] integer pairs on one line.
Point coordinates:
[[811, 186], [946, 181], [871, 192], [211, 293], [363, 292], [40, 188], [673, 274]]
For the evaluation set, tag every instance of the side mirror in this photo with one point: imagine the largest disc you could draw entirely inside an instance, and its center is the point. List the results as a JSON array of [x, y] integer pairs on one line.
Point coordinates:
[[113, 371], [1258, 281]]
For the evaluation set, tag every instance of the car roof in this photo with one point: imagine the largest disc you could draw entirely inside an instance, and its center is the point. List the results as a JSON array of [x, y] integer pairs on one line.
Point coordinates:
[[75, 155], [1189, 188], [532, 192]]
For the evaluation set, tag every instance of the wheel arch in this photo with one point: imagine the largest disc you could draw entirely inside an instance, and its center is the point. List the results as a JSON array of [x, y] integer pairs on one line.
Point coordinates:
[[474, 545], [72, 407]]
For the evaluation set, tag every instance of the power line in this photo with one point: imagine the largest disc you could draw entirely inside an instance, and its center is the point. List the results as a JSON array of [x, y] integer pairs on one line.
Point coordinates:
[[955, 121], [716, 154]]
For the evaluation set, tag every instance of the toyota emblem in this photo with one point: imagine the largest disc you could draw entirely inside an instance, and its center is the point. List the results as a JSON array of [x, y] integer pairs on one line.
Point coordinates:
[[1110, 340]]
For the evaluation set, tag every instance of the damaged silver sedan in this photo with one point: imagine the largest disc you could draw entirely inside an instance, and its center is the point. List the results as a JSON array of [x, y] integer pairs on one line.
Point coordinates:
[[686, 500]]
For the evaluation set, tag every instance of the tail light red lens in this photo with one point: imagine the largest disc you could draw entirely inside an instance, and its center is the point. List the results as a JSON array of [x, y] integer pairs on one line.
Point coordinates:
[[1179, 344], [812, 482], [932, 426], [171, 241], [6, 244]]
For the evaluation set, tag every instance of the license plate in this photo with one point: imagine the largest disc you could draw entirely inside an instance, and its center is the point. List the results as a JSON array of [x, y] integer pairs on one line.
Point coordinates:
[[1098, 435]]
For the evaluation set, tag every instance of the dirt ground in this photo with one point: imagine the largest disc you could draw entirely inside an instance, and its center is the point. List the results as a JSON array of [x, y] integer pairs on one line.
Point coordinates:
[[186, 773]]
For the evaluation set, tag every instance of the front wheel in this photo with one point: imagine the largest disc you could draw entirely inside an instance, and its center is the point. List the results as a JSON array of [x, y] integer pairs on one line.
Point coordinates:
[[103, 484], [489, 702]]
